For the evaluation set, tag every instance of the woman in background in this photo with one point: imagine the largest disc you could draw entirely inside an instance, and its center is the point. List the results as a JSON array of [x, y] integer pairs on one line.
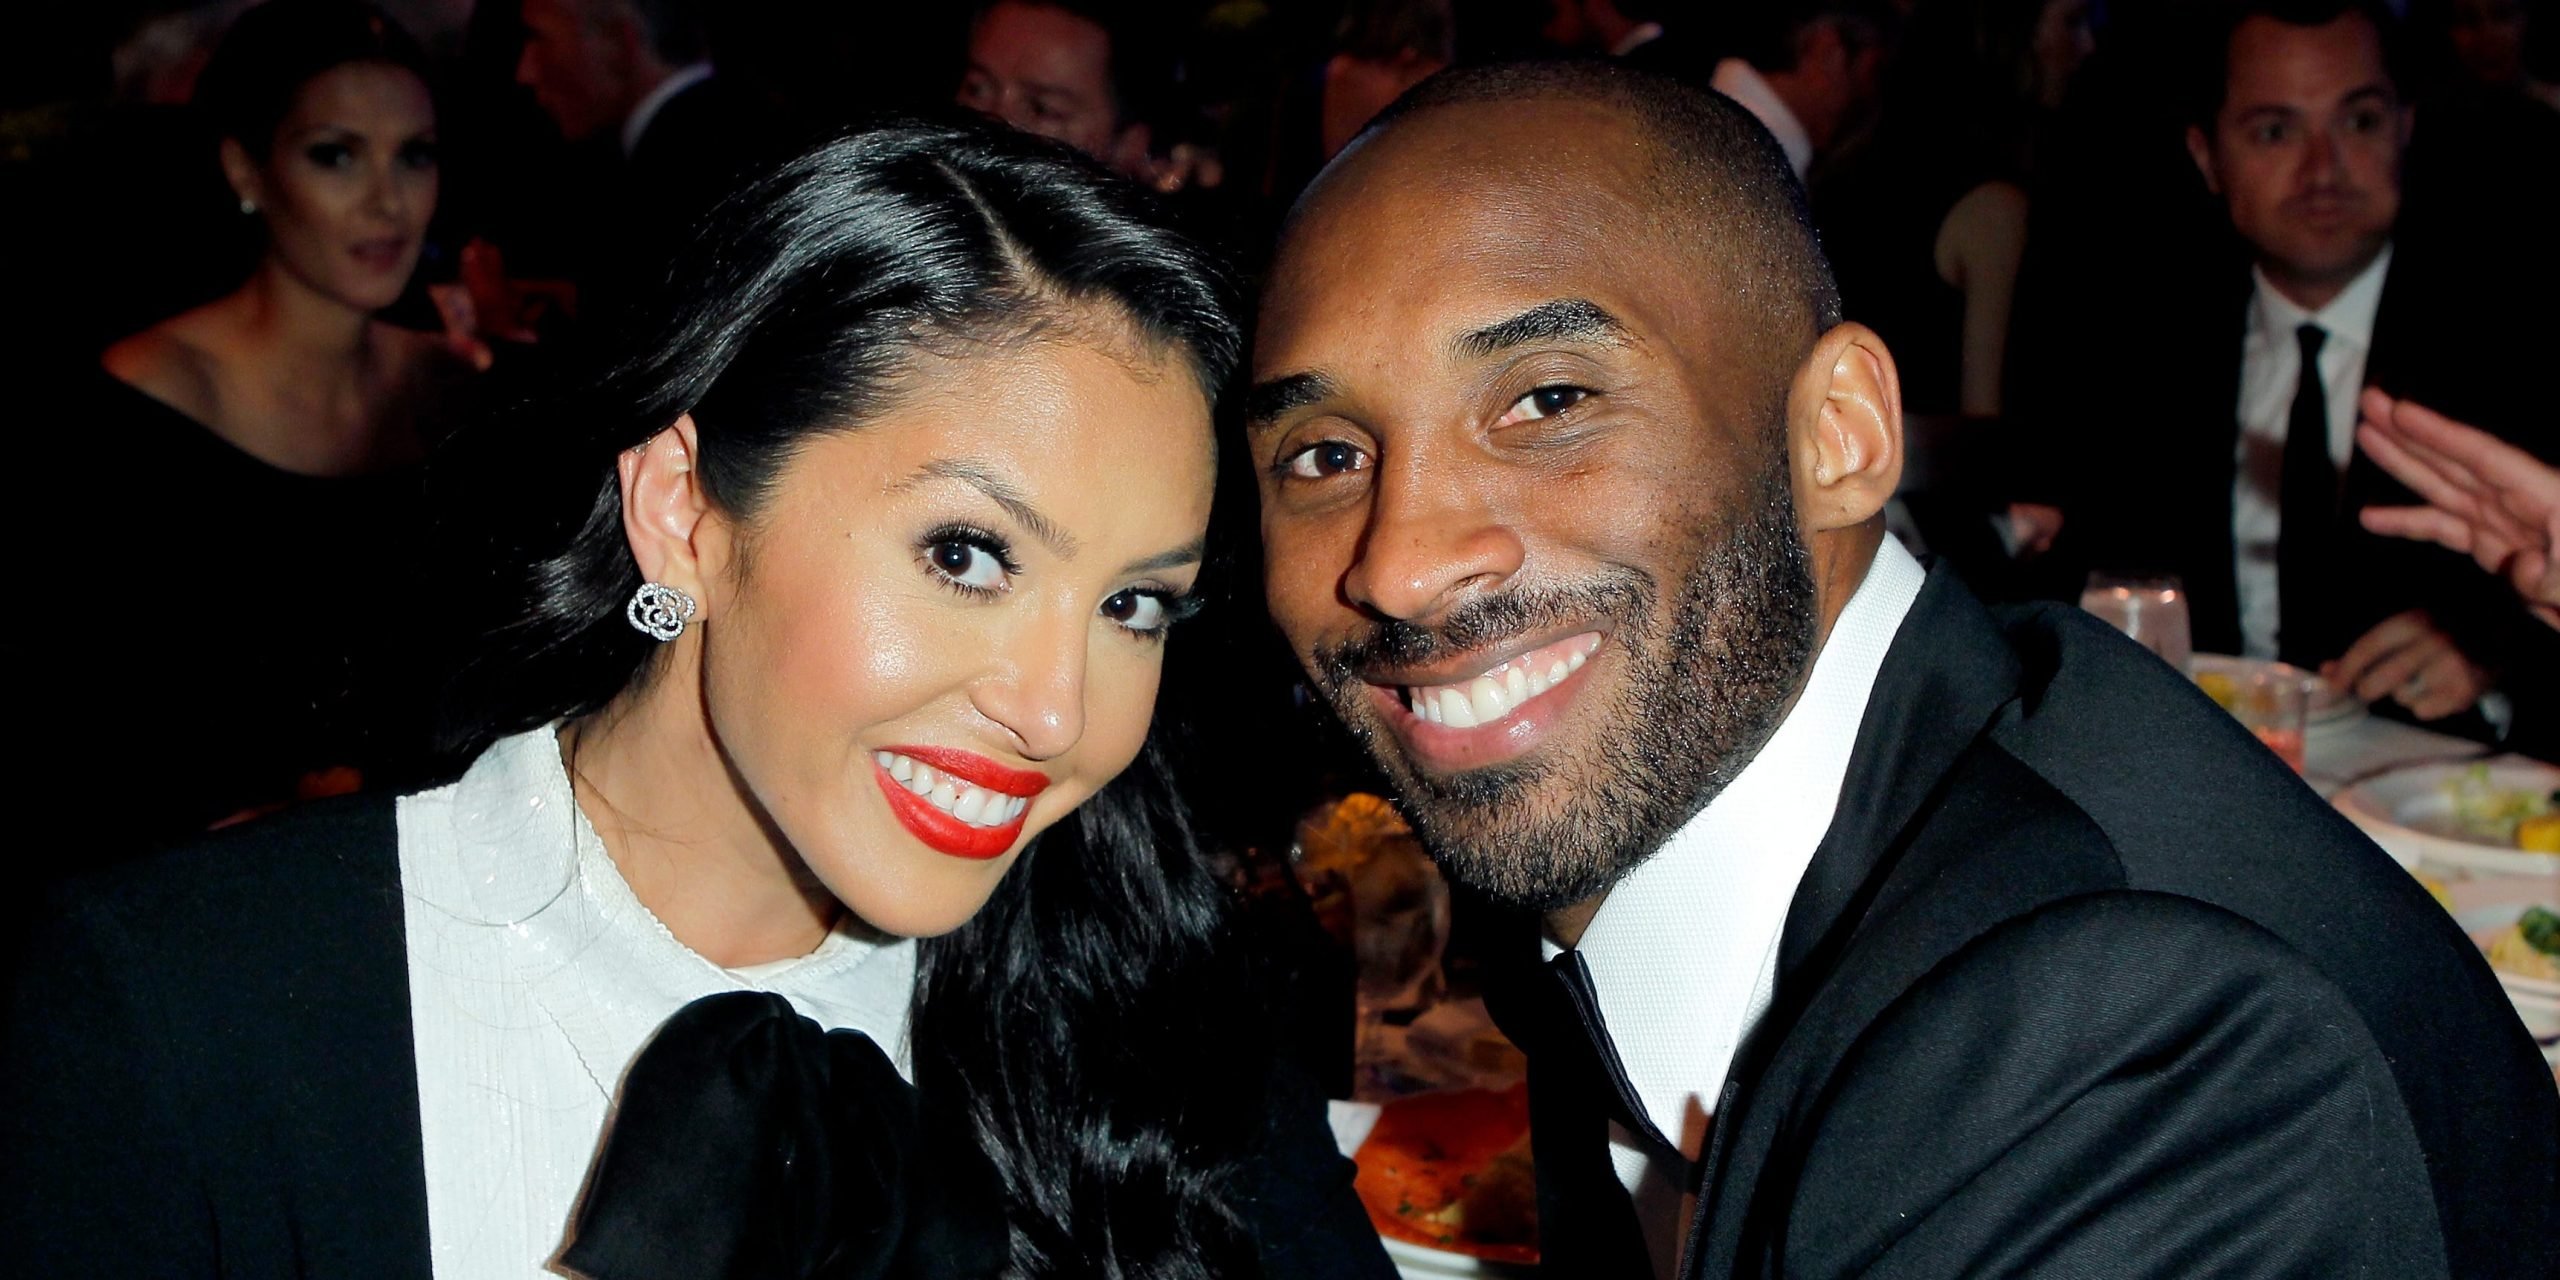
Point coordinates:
[[263, 449], [837, 588]]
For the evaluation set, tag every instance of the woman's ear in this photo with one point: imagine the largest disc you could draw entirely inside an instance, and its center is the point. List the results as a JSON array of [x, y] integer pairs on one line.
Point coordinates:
[[242, 173], [666, 513], [1845, 430]]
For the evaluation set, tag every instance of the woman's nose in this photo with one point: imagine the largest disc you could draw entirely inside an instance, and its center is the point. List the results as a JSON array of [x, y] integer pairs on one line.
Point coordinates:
[[1036, 692]]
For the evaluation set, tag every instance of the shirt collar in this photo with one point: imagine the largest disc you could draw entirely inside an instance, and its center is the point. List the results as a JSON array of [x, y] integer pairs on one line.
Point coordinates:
[[1681, 949], [1738, 80], [2349, 316], [596, 957], [684, 77]]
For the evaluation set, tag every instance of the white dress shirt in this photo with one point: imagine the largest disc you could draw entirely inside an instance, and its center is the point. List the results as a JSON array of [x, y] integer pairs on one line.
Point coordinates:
[[2270, 368], [1738, 80], [1684, 951], [535, 977], [1637, 37], [684, 77]]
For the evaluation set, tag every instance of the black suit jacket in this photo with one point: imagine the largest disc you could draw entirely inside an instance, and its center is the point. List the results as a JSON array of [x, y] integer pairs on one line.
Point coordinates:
[[2083, 981], [2156, 456], [210, 1071]]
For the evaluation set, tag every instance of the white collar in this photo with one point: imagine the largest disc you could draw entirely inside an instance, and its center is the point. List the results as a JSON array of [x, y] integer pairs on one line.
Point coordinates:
[[637, 123], [1683, 950], [597, 959], [1740, 81], [1637, 36], [2348, 316]]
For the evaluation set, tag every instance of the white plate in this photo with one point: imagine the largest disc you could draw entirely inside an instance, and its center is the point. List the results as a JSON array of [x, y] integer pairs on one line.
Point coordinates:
[[1423, 1261], [2536, 1001], [2409, 812], [2329, 704]]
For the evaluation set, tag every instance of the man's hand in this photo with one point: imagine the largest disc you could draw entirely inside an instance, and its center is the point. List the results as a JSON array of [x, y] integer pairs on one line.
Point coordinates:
[[2409, 659], [2485, 497]]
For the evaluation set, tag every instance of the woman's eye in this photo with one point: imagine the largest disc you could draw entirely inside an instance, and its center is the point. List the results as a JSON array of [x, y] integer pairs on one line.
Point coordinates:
[[330, 155], [1545, 402], [419, 155], [968, 565], [1146, 612], [1327, 458]]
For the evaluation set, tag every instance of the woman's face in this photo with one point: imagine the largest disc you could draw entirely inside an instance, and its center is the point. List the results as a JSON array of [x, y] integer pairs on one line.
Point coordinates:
[[349, 183], [2064, 38], [943, 631]]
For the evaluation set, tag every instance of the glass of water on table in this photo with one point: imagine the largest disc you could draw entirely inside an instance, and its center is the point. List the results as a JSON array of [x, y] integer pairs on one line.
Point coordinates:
[[2151, 608]]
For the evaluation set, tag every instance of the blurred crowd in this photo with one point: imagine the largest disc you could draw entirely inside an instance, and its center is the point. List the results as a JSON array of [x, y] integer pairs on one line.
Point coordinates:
[[260, 253]]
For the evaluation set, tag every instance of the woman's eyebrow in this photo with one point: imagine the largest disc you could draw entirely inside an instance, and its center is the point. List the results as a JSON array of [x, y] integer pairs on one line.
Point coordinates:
[[985, 479], [1191, 552]]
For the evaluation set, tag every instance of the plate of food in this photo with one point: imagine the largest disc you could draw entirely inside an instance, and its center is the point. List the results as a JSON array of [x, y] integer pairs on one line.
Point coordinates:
[[1447, 1181], [2221, 676], [2499, 816], [2523, 946]]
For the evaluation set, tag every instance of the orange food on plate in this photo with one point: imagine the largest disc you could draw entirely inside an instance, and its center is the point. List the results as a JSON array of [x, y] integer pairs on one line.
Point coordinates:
[[1451, 1170]]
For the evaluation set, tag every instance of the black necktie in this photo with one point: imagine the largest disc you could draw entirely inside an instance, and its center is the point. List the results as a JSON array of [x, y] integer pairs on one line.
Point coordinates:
[[1586, 1221], [2307, 537]]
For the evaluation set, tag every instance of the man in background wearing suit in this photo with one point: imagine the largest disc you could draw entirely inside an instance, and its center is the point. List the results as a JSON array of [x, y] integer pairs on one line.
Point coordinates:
[[2234, 465], [1881, 934]]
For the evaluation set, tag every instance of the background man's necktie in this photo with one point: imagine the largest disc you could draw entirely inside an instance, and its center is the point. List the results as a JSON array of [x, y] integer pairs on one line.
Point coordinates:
[[2306, 541]]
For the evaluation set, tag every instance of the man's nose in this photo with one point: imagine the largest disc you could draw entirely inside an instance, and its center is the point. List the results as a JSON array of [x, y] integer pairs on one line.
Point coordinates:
[[1429, 545]]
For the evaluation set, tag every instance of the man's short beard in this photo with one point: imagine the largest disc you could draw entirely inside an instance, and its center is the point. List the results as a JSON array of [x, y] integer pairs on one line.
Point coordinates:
[[1700, 695]]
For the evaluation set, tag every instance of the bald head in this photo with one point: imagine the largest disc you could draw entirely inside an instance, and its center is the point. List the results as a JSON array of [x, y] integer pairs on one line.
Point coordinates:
[[1710, 178]]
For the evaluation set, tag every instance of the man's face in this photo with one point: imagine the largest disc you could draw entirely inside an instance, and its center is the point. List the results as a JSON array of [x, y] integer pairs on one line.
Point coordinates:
[[2306, 150], [1044, 71], [1525, 494], [574, 61]]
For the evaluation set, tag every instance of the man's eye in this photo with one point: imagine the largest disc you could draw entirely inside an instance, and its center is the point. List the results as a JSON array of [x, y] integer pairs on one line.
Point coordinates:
[[2267, 135], [1545, 402], [1328, 458]]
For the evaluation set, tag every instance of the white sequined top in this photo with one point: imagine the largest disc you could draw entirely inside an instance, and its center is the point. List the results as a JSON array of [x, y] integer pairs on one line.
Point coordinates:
[[535, 977]]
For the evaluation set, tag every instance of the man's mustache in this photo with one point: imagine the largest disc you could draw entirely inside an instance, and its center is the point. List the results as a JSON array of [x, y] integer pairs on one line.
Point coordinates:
[[1486, 622]]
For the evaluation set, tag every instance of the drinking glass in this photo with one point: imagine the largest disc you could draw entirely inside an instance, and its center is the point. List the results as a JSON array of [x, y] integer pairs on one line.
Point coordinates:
[[2275, 702], [2150, 609]]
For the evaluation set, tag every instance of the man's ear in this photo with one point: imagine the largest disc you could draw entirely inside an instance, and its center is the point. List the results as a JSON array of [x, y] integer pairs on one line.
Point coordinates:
[[667, 516], [242, 173], [1844, 430], [2200, 150]]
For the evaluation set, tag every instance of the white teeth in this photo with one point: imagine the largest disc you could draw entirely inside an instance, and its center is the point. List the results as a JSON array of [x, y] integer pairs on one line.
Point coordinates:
[[1455, 711], [1499, 691], [976, 806]]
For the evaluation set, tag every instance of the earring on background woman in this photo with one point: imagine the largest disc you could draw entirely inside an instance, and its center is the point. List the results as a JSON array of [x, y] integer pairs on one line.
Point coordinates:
[[248, 206], [659, 611]]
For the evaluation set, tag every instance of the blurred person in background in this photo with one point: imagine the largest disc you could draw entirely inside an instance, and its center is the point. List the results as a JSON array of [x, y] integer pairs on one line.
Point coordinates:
[[1665, 38], [1379, 49], [635, 71], [1093, 74], [1810, 70], [265, 446], [2235, 466], [2489, 41], [1926, 226]]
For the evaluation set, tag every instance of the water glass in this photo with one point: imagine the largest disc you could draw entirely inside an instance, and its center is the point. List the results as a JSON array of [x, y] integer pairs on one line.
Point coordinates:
[[2152, 610], [2275, 703]]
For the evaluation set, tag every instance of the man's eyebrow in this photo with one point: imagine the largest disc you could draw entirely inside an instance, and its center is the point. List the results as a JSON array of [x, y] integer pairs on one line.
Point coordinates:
[[984, 479], [1268, 400], [1568, 319]]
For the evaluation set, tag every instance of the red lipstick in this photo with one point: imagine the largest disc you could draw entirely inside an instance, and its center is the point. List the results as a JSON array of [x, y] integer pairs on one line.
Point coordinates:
[[944, 833]]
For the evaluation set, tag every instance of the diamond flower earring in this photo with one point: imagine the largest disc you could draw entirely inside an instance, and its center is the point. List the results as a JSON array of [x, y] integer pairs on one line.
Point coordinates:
[[659, 611]]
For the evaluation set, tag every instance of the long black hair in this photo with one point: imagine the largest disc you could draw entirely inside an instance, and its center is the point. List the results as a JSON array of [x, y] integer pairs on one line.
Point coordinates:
[[1065, 1020]]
